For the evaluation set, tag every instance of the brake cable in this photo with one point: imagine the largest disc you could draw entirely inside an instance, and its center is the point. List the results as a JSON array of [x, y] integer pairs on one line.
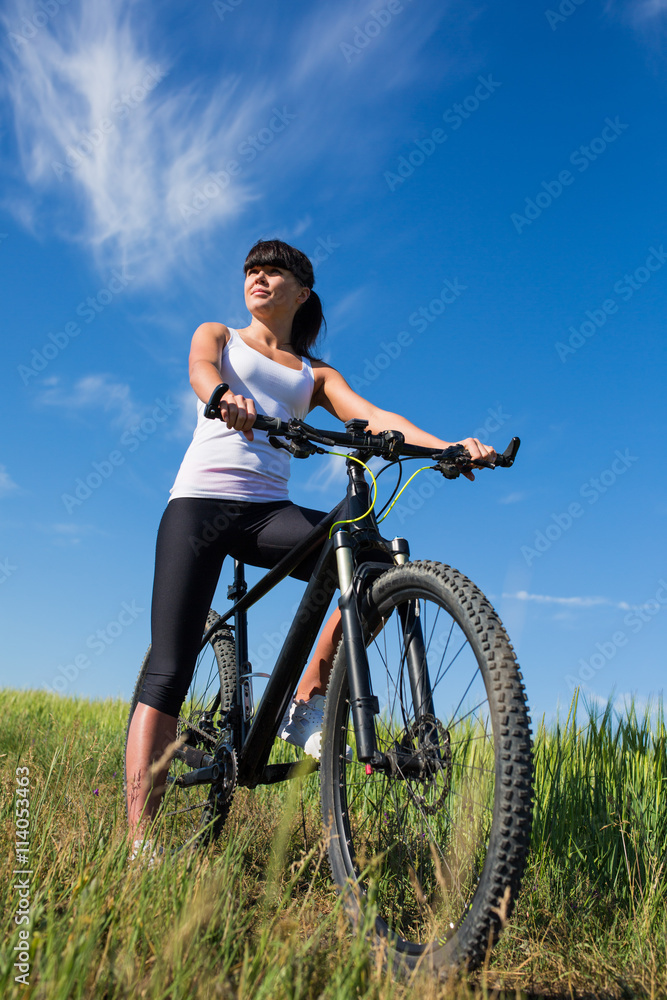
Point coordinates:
[[349, 520], [399, 462], [423, 468], [391, 502], [360, 517]]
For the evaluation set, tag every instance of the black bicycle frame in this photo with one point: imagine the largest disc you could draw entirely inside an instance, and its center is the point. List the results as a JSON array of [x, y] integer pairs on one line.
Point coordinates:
[[355, 553]]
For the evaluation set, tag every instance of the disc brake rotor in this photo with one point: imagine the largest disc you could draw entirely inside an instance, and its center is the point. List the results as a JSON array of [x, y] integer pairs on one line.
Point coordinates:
[[430, 772]]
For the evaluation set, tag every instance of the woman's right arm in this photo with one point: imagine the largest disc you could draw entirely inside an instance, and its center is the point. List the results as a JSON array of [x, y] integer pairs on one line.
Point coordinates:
[[208, 343]]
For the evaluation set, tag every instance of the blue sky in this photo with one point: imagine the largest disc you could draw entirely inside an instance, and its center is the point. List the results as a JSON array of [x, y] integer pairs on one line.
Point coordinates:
[[481, 189]]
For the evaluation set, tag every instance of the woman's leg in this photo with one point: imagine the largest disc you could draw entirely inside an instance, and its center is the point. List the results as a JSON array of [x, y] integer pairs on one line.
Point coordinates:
[[316, 675], [190, 549], [149, 741]]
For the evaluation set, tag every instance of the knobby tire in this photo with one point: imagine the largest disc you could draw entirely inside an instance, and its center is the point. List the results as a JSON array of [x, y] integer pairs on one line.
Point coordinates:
[[430, 856]]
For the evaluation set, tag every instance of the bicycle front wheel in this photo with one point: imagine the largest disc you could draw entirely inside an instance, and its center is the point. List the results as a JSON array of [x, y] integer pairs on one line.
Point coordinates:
[[434, 840], [196, 814]]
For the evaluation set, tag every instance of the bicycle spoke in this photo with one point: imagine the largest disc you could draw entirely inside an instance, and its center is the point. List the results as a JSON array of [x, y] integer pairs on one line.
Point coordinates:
[[427, 835]]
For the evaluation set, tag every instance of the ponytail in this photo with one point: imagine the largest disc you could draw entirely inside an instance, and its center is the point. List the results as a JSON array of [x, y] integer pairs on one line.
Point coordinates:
[[306, 325]]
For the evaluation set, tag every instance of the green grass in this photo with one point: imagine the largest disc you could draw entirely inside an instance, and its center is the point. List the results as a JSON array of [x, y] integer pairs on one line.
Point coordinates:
[[257, 917]]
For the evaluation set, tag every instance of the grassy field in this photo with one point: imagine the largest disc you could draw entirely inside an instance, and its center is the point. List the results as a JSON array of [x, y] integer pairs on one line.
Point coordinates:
[[257, 917]]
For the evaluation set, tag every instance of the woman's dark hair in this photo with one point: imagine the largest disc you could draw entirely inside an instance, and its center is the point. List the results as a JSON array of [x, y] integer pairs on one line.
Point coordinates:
[[308, 318]]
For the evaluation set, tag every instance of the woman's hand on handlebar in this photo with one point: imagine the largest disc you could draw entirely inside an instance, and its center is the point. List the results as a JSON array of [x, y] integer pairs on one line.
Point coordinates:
[[478, 452], [239, 413]]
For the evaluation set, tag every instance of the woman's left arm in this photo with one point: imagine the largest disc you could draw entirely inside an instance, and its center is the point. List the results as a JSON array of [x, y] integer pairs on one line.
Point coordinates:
[[335, 395]]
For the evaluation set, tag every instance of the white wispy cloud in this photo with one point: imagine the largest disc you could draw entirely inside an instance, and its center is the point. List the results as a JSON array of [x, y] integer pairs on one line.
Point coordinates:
[[336, 36], [571, 602], [7, 484], [118, 153], [622, 704], [642, 10], [98, 392], [512, 498], [69, 533], [97, 121], [186, 402], [643, 15], [329, 473], [301, 226], [591, 703], [347, 305]]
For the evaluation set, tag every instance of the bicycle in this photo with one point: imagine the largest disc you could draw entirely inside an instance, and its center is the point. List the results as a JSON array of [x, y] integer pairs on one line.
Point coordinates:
[[428, 820]]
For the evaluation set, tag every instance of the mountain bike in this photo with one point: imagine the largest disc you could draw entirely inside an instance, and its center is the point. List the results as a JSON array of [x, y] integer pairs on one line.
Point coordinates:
[[426, 766]]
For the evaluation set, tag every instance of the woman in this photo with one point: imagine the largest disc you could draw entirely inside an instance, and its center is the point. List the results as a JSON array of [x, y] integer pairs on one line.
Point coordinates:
[[230, 498]]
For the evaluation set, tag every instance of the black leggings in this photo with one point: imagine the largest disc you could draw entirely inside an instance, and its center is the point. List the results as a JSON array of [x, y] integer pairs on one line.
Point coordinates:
[[194, 537]]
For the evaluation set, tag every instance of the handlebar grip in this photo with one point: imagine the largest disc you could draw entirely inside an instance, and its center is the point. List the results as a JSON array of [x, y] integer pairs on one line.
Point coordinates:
[[506, 460], [212, 408], [274, 424]]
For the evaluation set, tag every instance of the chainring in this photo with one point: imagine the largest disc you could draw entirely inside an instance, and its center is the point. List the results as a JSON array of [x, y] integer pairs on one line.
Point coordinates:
[[225, 756]]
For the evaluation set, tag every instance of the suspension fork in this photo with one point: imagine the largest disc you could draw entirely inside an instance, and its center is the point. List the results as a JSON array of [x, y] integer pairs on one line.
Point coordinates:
[[415, 653], [363, 703]]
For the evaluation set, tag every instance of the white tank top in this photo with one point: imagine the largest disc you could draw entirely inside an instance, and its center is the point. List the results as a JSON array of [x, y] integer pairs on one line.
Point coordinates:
[[221, 463]]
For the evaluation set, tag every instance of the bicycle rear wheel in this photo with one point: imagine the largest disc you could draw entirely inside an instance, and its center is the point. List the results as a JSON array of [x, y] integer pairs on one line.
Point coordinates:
[[196, 814], [436, 840]]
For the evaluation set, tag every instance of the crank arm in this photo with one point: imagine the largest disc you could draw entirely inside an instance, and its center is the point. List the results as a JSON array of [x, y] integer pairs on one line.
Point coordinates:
[[202, 776]]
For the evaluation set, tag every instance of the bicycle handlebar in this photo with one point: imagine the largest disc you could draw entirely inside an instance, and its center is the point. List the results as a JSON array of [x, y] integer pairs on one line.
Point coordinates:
[[305, 441]]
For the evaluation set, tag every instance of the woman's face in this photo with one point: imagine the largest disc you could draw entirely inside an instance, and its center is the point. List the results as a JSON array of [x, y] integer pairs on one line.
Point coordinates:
[[272, 290]]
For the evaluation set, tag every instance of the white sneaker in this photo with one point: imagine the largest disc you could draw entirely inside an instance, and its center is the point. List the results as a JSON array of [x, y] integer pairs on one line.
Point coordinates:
[[302, 726], [145, 853]]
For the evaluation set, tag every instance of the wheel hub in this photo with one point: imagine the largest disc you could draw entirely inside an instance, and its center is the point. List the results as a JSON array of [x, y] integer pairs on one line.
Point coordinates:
[[423, 757]]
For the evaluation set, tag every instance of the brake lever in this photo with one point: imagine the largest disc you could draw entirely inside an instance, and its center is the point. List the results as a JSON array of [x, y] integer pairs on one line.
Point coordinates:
[[300, 449], [456, 460], [449, 461], [277, 443]]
